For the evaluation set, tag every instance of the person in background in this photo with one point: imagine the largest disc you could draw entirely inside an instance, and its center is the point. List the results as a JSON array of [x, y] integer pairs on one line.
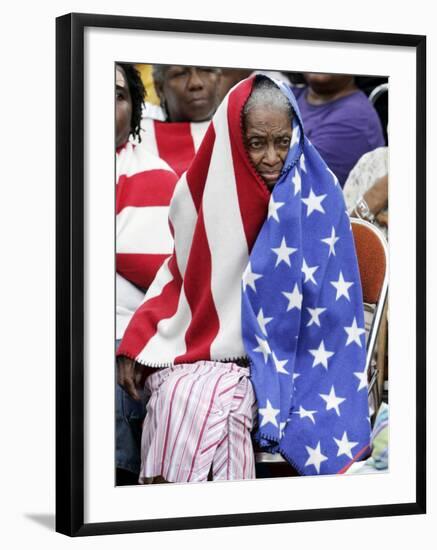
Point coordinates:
[[144, 186], [188, 99], [339, 120], [231, 76], [366, 188]]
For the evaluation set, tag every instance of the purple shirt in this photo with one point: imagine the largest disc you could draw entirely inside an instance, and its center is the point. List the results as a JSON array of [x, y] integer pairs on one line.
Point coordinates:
[[341, 130]]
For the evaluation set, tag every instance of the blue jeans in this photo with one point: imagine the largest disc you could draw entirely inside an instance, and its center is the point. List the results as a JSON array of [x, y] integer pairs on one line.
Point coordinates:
[[129, 416]]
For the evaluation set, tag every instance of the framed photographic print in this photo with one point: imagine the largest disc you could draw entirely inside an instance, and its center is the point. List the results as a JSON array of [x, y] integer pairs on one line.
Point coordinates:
[[223, 193]]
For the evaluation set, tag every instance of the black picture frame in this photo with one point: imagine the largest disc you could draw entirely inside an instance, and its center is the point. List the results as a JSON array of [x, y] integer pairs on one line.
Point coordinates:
[[70, 273]]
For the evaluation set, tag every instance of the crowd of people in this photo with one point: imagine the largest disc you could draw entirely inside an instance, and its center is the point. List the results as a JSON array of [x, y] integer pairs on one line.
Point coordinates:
[[239, 305]]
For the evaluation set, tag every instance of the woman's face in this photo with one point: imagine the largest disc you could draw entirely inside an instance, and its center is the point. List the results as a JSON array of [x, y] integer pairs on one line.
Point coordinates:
[[123, 108], [190, 93], [267, 134]]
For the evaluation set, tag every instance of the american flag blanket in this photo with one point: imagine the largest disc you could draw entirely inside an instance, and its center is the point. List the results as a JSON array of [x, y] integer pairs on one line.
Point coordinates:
[[174, 142], [269, 277]]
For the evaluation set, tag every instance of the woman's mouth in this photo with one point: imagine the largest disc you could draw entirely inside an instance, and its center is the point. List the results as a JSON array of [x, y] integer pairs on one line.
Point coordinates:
[[199, 101], [270, 177]]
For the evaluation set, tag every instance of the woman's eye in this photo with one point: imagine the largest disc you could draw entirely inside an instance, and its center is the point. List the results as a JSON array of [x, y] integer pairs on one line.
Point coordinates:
[[285, 142], [255, 144], [178, 74]]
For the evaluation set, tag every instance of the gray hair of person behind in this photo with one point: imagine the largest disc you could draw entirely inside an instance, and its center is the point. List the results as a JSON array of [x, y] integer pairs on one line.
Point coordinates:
[[267, 95]]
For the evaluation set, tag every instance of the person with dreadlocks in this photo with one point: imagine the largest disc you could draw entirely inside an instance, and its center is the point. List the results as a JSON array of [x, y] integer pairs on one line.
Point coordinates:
[[144, 186], [255, 322]]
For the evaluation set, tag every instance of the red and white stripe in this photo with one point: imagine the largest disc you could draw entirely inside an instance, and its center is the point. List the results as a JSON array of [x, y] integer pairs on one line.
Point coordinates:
[[199, 418], [145, 185], [196, 315], [174, 142]]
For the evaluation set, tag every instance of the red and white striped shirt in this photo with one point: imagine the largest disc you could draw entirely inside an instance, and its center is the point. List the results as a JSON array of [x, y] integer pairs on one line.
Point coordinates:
[[174, 142], [145, 185]]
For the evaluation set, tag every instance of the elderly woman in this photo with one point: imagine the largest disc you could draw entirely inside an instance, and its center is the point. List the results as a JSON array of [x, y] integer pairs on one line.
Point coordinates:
[[144, 186], [256, 319], [189, 98]]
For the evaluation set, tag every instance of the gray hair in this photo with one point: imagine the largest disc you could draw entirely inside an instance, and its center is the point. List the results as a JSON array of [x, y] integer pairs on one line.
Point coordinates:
[[267, 95]]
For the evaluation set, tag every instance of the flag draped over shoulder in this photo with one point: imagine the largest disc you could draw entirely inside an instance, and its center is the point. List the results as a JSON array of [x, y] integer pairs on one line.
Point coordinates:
[[302, 318], [272, 278]]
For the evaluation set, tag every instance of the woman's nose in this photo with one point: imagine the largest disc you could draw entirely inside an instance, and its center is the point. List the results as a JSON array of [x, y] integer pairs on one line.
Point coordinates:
[[194, 80], [271, 157]]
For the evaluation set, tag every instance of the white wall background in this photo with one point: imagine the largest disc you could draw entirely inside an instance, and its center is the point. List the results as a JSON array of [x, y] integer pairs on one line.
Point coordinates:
[[28, 263]]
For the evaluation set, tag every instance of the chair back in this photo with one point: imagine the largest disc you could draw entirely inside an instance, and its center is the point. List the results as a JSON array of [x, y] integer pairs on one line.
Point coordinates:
[[371, 252], [372, 255]]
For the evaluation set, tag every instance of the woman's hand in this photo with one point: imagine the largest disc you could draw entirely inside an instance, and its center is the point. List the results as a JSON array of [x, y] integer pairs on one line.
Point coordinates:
[[382, 218], [130, 375]]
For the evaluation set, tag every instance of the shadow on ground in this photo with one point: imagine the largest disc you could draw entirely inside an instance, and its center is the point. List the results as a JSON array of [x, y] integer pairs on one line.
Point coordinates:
[[46, 520]]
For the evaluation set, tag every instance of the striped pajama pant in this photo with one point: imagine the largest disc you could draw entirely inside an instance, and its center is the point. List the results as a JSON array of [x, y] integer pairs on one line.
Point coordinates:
[[198, 423]]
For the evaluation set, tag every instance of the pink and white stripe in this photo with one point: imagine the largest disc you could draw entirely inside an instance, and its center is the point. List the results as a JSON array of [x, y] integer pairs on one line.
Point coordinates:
[[198, 423]]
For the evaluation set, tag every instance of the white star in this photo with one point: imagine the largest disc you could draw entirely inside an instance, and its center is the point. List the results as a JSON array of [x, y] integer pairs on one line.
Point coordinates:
[[263, 321], [282, 429], [269, 415], [249, 278], [263, 347], [273, 209], [283, 252], [309, 272], [321, 355], [315, 457], [330, 241], [342, 287], [297, 182], [295, 375], [315, 315], [294, 298], [345, 446], [332, 401], [362, 377], [314, 203], [280, 364], [303, 413], [302, 164], [354, 333]]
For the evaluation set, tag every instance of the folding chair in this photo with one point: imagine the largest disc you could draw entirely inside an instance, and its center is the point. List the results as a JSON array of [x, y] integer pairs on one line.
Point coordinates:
[[372, 254], [379, 99]]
